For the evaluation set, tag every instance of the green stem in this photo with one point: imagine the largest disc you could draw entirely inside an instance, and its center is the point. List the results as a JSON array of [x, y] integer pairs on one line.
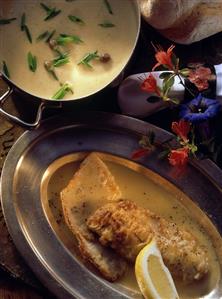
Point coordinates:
[[181, 82]]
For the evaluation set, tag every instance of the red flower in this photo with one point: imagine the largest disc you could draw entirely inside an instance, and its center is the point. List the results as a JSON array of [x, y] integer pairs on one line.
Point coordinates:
[[181, 128], [200, 76], [140, 153], [164, 58], [150, 85], [178, 157]]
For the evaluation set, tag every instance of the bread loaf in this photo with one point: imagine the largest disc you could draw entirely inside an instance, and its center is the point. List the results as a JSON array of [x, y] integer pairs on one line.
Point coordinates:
[[183, 21]]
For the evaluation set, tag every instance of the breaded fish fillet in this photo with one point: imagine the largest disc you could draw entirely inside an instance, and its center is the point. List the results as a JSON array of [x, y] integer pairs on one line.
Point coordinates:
[[91, 187], [127, 228]]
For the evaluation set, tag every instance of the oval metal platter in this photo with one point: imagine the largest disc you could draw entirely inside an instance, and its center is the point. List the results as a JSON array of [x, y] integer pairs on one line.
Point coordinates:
[[34, 158]]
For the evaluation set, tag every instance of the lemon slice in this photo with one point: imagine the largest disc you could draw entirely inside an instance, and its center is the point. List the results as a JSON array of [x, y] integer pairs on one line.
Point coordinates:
[[153, 277]]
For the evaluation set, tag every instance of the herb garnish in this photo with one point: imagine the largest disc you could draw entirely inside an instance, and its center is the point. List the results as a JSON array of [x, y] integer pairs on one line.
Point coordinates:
[[28, 34], [6, 21], [50, 36], [32, 62], [61, 60], [50, 12], [25, 28], [64, 39], [108, 6], [106, 24], [23, 21], [88, 58], [76, 19], [66, 87], [43, 35], [50, 69], [5, 69]]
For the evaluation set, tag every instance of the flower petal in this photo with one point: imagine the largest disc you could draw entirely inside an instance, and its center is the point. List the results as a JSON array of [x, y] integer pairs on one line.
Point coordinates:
[[178, 157], [211, 108], [139, 153]]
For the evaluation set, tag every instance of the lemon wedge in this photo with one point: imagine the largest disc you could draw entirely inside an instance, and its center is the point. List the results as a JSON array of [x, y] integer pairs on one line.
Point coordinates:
[[153, 277]]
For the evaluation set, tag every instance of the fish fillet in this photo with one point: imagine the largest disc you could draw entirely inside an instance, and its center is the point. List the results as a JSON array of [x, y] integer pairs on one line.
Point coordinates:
[[91, 187], [127, 228]]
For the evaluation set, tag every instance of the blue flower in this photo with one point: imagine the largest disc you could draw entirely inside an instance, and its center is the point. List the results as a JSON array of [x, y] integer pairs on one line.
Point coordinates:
[[199, 109]]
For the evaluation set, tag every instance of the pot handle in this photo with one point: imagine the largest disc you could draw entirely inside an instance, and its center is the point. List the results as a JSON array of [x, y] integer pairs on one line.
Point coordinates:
[[16, 119]]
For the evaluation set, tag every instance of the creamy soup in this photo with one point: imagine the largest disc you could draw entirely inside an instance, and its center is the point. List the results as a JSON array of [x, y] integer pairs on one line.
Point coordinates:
[[99, 30], [149, 192]]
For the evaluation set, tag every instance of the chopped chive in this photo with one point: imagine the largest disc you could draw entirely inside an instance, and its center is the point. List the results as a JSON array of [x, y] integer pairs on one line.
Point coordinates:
[[45, 7], [6, 21], [66, 87], [50, 36], [49, 68], [106, 24], [76, 19], [5, 69], [60, 61], [53, 14], [23, 21], [64, 39], [28, 34], [50, 12], [88, 58], [25, 28], [108, 6], [32, 62], [43, 36]]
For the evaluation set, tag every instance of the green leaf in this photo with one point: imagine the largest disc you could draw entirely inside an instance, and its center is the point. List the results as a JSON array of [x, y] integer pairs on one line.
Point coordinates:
[[151, 136], [153, 99], [145, 142], [60, 94], [6, 21], [193, 149], [32, 62], [175, 101], [185, 72], [5, 69], [43, 35], [108, 6], [76, 19], [164, 75], [164, 154], [167, 84], [64, 39], [88, 58], [106, 24]]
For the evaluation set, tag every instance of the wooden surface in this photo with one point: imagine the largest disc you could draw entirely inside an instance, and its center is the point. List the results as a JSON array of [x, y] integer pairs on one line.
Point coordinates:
[[13, 289]]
